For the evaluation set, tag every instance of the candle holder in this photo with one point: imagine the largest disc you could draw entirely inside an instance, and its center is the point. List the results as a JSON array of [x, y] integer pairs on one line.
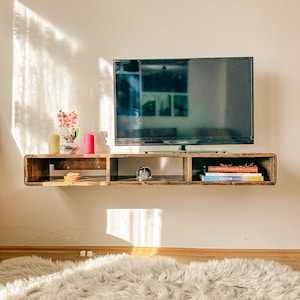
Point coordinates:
[[143, 173]]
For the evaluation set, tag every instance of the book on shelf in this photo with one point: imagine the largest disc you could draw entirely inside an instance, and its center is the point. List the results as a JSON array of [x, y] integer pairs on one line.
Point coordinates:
[[232, 178], [223, 168], [231, 174]]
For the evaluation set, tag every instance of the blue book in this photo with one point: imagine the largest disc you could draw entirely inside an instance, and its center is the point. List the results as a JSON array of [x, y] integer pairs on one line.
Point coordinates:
[[232, 178]]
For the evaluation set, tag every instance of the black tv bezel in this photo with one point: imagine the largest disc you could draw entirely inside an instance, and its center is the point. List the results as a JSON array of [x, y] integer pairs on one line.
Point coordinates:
[[182, 142]]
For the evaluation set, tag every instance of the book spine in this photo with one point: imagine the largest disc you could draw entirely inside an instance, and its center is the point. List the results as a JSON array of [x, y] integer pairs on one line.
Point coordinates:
[[226, 169], [231, 174], [234, 178]]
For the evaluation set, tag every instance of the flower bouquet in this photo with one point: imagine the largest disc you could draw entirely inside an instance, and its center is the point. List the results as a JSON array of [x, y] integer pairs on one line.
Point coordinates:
[[69, 131]]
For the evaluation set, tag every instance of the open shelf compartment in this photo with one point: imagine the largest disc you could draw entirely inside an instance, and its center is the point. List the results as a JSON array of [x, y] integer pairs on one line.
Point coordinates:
[[266, 164], [164, 169], [49, 170]]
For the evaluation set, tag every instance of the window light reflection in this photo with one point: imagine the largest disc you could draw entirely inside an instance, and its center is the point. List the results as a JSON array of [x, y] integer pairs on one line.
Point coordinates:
[[140, 227], [41, 78], [106, 107]]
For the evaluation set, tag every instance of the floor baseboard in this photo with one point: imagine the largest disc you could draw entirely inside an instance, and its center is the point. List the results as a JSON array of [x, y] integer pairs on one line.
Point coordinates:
[[289, 257]]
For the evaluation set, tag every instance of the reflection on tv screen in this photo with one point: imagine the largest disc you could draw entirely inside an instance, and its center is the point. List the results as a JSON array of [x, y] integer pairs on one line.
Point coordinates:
[[200, 100]]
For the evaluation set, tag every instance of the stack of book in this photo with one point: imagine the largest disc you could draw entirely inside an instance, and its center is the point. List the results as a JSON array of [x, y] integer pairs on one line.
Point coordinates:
[[230, 173]]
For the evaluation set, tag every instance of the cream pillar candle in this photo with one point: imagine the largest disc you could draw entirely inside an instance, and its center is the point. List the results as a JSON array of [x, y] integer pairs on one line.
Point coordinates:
[[53, 143]]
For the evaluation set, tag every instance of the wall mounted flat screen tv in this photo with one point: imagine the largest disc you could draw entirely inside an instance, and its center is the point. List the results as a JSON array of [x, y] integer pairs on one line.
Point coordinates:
[[194, 101]]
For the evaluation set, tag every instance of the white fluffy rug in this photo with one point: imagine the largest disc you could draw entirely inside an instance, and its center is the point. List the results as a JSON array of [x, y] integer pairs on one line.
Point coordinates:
[[126, 277]]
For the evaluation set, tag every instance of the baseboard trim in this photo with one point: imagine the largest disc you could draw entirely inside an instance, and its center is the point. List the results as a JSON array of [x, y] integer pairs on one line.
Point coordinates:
[[289, 257]]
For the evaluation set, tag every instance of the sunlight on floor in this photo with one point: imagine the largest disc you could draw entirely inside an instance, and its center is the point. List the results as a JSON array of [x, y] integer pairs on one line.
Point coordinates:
[[140, 227]]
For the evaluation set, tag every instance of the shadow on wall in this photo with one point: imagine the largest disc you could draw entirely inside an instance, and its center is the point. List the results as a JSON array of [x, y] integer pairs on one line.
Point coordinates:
[[50, 72], [101, 139], [42, 56], [10, 160]]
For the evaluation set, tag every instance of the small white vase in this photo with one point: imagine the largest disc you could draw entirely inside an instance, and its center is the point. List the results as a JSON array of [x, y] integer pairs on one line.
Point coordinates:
[[69, 148]]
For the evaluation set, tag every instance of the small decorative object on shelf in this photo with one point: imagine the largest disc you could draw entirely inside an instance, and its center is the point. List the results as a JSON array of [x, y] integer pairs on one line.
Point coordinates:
[[143, 173], [69, 131], [69, 148], [53, 143], [88, 143], [71, 176]]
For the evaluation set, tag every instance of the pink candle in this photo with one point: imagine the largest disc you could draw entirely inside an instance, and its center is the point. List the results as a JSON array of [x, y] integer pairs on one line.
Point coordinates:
[[88, 143]]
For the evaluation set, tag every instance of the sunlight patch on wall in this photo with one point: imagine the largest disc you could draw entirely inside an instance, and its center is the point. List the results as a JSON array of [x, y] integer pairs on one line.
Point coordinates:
[[106, 107], [106, 103], [140, 227], [42, 55]]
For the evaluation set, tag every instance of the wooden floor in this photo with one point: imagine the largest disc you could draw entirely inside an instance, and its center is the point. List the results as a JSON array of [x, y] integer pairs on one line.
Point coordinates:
[[289, 257]]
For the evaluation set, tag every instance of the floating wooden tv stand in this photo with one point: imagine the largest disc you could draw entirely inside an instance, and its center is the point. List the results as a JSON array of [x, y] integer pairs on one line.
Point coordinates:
[[106, 169]]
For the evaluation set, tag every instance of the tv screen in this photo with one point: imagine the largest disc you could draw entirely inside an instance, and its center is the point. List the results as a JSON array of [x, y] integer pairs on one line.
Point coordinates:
[[194, 101]]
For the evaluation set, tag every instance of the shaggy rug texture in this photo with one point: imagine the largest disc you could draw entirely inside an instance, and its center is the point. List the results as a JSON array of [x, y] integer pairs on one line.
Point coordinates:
[[127, 277]]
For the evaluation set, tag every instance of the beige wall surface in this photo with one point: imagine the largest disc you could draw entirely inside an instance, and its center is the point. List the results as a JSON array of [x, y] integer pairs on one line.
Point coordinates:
[[58, 54]]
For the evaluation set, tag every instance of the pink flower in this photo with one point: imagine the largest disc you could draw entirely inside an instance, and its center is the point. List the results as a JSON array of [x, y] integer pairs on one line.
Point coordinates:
[[68, 123]]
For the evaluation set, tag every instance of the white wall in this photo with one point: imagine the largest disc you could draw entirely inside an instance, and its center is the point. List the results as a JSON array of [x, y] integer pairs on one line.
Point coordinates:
[[62, 59]]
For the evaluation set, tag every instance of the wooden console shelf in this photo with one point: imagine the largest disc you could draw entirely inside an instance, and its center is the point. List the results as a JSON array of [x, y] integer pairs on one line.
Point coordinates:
[[116, 169]]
